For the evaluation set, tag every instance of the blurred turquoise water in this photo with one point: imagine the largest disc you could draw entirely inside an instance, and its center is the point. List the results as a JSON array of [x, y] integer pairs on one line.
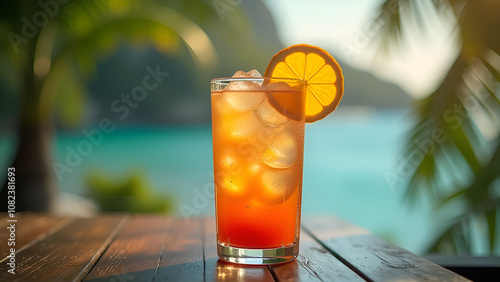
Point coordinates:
[[347, 157]]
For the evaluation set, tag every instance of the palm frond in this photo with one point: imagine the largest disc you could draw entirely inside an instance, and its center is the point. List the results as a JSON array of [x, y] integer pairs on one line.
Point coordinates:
[[394, 17], [491, 217], [456, 126], [445, 110], [388, 23]]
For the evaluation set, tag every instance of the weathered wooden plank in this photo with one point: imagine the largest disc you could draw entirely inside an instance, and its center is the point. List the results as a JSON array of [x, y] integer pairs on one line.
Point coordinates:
[[5, 219], [67, 254], [4, 232], [314, 263], [29, 229], [135, 253], [182, 257], [218, 270], [373, 257]]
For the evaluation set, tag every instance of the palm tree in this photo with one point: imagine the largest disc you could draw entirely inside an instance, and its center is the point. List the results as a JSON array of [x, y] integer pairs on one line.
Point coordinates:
[[453, 149], [54, 43]]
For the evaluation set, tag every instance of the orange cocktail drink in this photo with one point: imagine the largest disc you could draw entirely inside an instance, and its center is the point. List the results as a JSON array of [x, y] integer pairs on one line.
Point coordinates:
[[258, 151]]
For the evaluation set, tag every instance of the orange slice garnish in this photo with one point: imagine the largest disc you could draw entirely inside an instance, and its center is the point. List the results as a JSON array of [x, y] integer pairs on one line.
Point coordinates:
[[318, 70]]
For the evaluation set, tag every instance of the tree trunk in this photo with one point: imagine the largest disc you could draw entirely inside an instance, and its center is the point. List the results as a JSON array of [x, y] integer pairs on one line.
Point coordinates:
[[35, 189]]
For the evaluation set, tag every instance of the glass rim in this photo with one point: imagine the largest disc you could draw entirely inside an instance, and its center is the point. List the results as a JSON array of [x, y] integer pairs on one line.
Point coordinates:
[[229, 79]]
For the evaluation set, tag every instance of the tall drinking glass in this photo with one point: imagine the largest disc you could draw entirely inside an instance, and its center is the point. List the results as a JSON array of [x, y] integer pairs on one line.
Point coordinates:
[[258, 152]]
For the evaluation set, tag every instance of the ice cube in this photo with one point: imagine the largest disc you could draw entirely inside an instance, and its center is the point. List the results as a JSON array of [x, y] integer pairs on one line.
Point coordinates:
[[227, 176], [240, 74], [228, 163], [253, 73], [243, 101], [241, 126], [269, 116], [254, 169], [278, 184], [281, 152], [231, 184], [250, 95], [244, 85]]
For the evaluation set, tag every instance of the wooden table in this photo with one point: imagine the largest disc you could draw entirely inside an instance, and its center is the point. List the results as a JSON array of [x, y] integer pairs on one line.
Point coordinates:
[[124, 247]]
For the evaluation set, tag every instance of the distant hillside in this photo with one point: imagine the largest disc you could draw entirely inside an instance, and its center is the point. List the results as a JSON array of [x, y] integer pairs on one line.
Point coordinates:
[[362, 88]]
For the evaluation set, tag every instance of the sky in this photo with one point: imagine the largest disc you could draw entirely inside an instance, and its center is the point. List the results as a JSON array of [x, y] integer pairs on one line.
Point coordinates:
[[341, 27]]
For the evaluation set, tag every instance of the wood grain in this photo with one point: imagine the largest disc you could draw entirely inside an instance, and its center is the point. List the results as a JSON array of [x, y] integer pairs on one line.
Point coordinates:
[[314, 263], [3, 219], [218, 270], [374, 257], [4, 222], [182, 257], [118, 247], [67, 254], [135, 253], [29, 229]]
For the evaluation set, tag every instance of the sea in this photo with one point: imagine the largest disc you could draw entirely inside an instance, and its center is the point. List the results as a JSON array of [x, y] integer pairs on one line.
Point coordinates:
[[350, 160]]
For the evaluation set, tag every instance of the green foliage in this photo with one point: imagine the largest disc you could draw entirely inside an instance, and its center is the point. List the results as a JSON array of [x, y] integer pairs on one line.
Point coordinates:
[[81, 32], [69, 105], [456, 136], [132, 194]]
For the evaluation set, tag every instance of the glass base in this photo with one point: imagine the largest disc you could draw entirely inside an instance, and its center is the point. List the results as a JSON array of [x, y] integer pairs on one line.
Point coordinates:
[[258, 256]]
